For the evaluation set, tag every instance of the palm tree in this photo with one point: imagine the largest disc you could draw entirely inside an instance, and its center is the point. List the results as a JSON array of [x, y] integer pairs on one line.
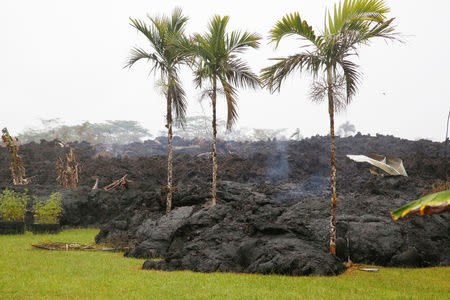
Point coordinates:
[[163, 33], [327, 57], [218, 66]]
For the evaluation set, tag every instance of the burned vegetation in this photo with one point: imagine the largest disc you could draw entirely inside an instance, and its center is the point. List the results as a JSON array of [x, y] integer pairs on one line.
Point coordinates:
[[67, 167], [16, 165]]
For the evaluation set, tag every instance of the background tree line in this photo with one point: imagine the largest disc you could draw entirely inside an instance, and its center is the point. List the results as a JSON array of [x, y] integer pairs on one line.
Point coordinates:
[[108, 132], [126, 131]]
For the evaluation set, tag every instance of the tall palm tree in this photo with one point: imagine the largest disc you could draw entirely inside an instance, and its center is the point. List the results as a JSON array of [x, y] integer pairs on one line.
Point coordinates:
[[219, 68], [163, 33], [327, 56]]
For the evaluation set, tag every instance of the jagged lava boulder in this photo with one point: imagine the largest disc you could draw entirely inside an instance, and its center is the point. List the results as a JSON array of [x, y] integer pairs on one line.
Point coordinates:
[[249, 235]]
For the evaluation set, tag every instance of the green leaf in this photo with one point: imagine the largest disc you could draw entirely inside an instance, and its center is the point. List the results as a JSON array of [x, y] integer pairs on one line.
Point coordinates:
[[430, 204], [292, 24]]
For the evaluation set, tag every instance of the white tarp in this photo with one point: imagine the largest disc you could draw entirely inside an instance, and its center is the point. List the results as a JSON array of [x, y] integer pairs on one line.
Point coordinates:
[[390, 165]]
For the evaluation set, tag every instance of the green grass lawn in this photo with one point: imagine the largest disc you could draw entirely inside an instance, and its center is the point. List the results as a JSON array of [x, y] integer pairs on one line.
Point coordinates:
[[27, 273]]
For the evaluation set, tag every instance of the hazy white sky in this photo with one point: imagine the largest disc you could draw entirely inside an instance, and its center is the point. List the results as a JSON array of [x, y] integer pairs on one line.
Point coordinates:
[[65, 59]]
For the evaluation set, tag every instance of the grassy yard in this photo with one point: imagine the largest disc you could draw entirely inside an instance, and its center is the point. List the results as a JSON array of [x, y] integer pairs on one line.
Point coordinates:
[[27, 273]]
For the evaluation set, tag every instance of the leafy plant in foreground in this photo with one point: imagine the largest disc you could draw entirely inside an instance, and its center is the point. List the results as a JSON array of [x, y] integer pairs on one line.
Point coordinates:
[[13, 205], [48, 211]]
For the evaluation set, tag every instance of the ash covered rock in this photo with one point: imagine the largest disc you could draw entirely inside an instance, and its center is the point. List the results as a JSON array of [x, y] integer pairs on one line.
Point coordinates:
[[157, 234]]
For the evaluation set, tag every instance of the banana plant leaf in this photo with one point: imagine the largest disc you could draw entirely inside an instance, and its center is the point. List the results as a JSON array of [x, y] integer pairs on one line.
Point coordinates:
[[428, 205], [390, 165]]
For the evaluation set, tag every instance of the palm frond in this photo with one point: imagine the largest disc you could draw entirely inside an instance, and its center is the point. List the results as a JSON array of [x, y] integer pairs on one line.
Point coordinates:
[[350, 13], [230, 96], [292, 24], [382, 30], [138, 53], [319, 91], [186, 49], [177, 21], [168, 43], [346, 41], [239, 74], [179, 47], [238, 42], [202, 72], [273, 76], [351, 75], [178, 97], [205, 50], [152, 34], [216, 36]]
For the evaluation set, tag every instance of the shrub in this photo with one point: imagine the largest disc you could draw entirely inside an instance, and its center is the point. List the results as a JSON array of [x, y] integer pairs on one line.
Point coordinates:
[[13, 205], [48, 211]]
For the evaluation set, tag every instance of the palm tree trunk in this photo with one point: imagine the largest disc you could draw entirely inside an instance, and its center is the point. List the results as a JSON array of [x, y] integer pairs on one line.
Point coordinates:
[[332, 164], [214, 150], [169, 153]]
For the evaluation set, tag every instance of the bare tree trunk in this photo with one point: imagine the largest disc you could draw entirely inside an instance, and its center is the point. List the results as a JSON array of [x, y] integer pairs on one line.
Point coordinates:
[[214, 150], [333, 165], [169, 153]]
